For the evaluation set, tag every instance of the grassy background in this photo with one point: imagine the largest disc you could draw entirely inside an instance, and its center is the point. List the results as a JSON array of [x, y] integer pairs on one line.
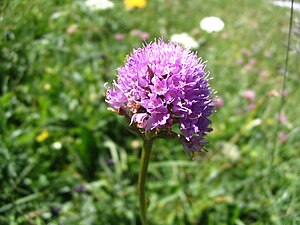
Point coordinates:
[[65, 159]]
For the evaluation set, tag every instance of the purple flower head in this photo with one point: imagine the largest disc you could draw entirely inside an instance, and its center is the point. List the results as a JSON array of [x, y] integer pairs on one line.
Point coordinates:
[[249, 95], [161, 85]]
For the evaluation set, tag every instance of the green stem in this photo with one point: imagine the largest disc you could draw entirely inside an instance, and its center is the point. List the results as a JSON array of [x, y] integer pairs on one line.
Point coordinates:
[[146, 151]]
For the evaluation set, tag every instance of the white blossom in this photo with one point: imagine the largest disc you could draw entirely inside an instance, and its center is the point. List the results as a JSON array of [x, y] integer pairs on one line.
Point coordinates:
[[99, 4], [287, 4], [211, 24], [185, 40], [56, 145]]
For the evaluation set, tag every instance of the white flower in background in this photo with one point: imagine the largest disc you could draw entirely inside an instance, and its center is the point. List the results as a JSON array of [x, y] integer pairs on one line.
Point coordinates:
[[230, 151], [287, 4], [185, 40], [212, 24], [99, 4], [56, 15], [56, 145]]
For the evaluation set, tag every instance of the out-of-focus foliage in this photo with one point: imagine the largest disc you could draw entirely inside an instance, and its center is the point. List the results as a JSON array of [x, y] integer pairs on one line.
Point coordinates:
[[66, 159]]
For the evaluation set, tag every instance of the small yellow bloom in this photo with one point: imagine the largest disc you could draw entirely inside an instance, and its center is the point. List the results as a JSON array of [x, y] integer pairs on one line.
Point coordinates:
[[129, 4], [47, 86], [42, 136]]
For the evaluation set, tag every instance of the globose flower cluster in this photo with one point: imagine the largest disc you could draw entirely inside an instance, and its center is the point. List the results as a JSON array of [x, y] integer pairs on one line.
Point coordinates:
[[161, 85]]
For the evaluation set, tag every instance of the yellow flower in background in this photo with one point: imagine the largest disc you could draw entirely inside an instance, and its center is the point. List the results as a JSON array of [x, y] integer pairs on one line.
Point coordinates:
[[47, 86], [42, 136], [129, 4]]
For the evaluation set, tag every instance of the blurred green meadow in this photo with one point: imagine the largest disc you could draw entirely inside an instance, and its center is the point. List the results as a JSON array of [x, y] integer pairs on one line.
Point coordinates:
[[66, 159]]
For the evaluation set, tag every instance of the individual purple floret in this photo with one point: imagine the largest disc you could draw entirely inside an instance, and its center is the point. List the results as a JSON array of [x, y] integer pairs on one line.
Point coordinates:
[[160, 85]]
